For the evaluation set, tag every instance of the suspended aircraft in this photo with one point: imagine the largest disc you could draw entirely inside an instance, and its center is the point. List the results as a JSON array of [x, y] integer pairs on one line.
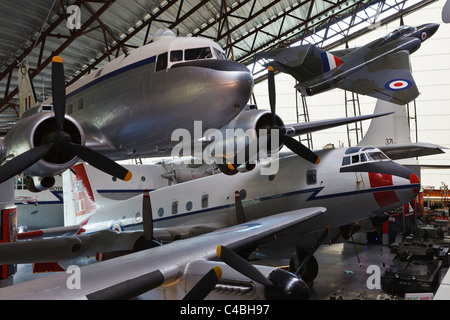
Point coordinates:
[[379, 69], [126, 109]]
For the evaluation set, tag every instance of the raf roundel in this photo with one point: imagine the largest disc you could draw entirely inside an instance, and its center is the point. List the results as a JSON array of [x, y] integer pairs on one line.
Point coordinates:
[[398, 84], [424, 36]]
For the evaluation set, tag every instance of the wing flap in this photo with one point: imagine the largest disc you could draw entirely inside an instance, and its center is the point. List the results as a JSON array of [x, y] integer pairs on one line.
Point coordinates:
[[162, 264], [388, 78]]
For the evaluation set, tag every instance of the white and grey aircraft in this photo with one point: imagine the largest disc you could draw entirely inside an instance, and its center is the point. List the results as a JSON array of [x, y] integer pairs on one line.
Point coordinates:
[[365, 186], [353, 184]]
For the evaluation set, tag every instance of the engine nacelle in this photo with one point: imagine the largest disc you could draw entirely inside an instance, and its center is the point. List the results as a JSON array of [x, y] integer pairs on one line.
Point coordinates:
[[247, 127], [39, 129]]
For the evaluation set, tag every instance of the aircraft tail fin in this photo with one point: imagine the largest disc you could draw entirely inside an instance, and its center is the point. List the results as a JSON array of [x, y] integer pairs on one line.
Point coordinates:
[[81, 199], [391, 129], [302, 62], [391, 134], [27, 94]]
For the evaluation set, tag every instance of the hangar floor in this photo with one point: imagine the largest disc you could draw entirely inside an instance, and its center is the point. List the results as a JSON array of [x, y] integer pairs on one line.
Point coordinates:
[[341, 275]]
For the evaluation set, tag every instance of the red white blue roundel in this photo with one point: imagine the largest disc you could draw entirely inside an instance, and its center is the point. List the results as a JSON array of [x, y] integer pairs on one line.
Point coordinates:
[[398, 84], [424, 36]]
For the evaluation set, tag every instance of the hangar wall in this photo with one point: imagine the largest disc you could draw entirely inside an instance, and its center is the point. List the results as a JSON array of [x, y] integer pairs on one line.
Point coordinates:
[[431, 70]]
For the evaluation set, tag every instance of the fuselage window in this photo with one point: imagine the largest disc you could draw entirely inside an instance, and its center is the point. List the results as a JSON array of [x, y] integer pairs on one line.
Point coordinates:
[[197, 53], [205, 201], [176, 56], [311, 177], [161, 62], [80, 104]]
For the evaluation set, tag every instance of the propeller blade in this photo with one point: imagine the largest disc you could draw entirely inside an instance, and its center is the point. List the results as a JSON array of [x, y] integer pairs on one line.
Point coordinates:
[[300, 149], [205, 285], [23, 161], [316, 246], [101, 162], [147, 216], [59, 91], [240, 216], [243, 266], [272, 96]]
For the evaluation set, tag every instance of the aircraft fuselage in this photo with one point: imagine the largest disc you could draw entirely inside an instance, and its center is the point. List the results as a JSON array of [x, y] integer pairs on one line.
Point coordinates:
[[130, 107], [407, 39], [351, 191]]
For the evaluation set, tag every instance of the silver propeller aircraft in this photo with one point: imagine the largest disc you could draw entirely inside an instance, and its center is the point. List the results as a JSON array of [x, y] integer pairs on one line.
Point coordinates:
[[127, 109], [131, 107], [380, 69]]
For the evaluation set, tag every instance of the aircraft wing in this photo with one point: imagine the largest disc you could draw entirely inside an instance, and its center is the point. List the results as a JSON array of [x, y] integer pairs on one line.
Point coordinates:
[[388, 78], [50, 232], [63, 243], [139, 272], [312, 126]]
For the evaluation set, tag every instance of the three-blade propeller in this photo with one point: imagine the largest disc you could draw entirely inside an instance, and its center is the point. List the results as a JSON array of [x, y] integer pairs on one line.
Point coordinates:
[[294, 145], [61, 141]]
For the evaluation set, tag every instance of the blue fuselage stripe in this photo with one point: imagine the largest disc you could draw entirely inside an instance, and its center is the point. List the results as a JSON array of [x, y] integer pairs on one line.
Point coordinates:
[[113, 74]]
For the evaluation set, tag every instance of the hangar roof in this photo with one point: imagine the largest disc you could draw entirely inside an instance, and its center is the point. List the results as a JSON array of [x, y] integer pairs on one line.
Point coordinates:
[[35, 30]]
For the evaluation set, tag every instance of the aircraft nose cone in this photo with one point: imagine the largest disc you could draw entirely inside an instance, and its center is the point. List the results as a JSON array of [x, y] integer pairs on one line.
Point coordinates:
[[432, 28], [413, 179]]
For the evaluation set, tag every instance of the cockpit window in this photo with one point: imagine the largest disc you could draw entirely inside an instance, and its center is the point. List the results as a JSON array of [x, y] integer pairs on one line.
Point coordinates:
[[197, 53], [400, 31], [363, 156], [161, 62], [346, 161], [220, 55], [377, 155], [176, 56]]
